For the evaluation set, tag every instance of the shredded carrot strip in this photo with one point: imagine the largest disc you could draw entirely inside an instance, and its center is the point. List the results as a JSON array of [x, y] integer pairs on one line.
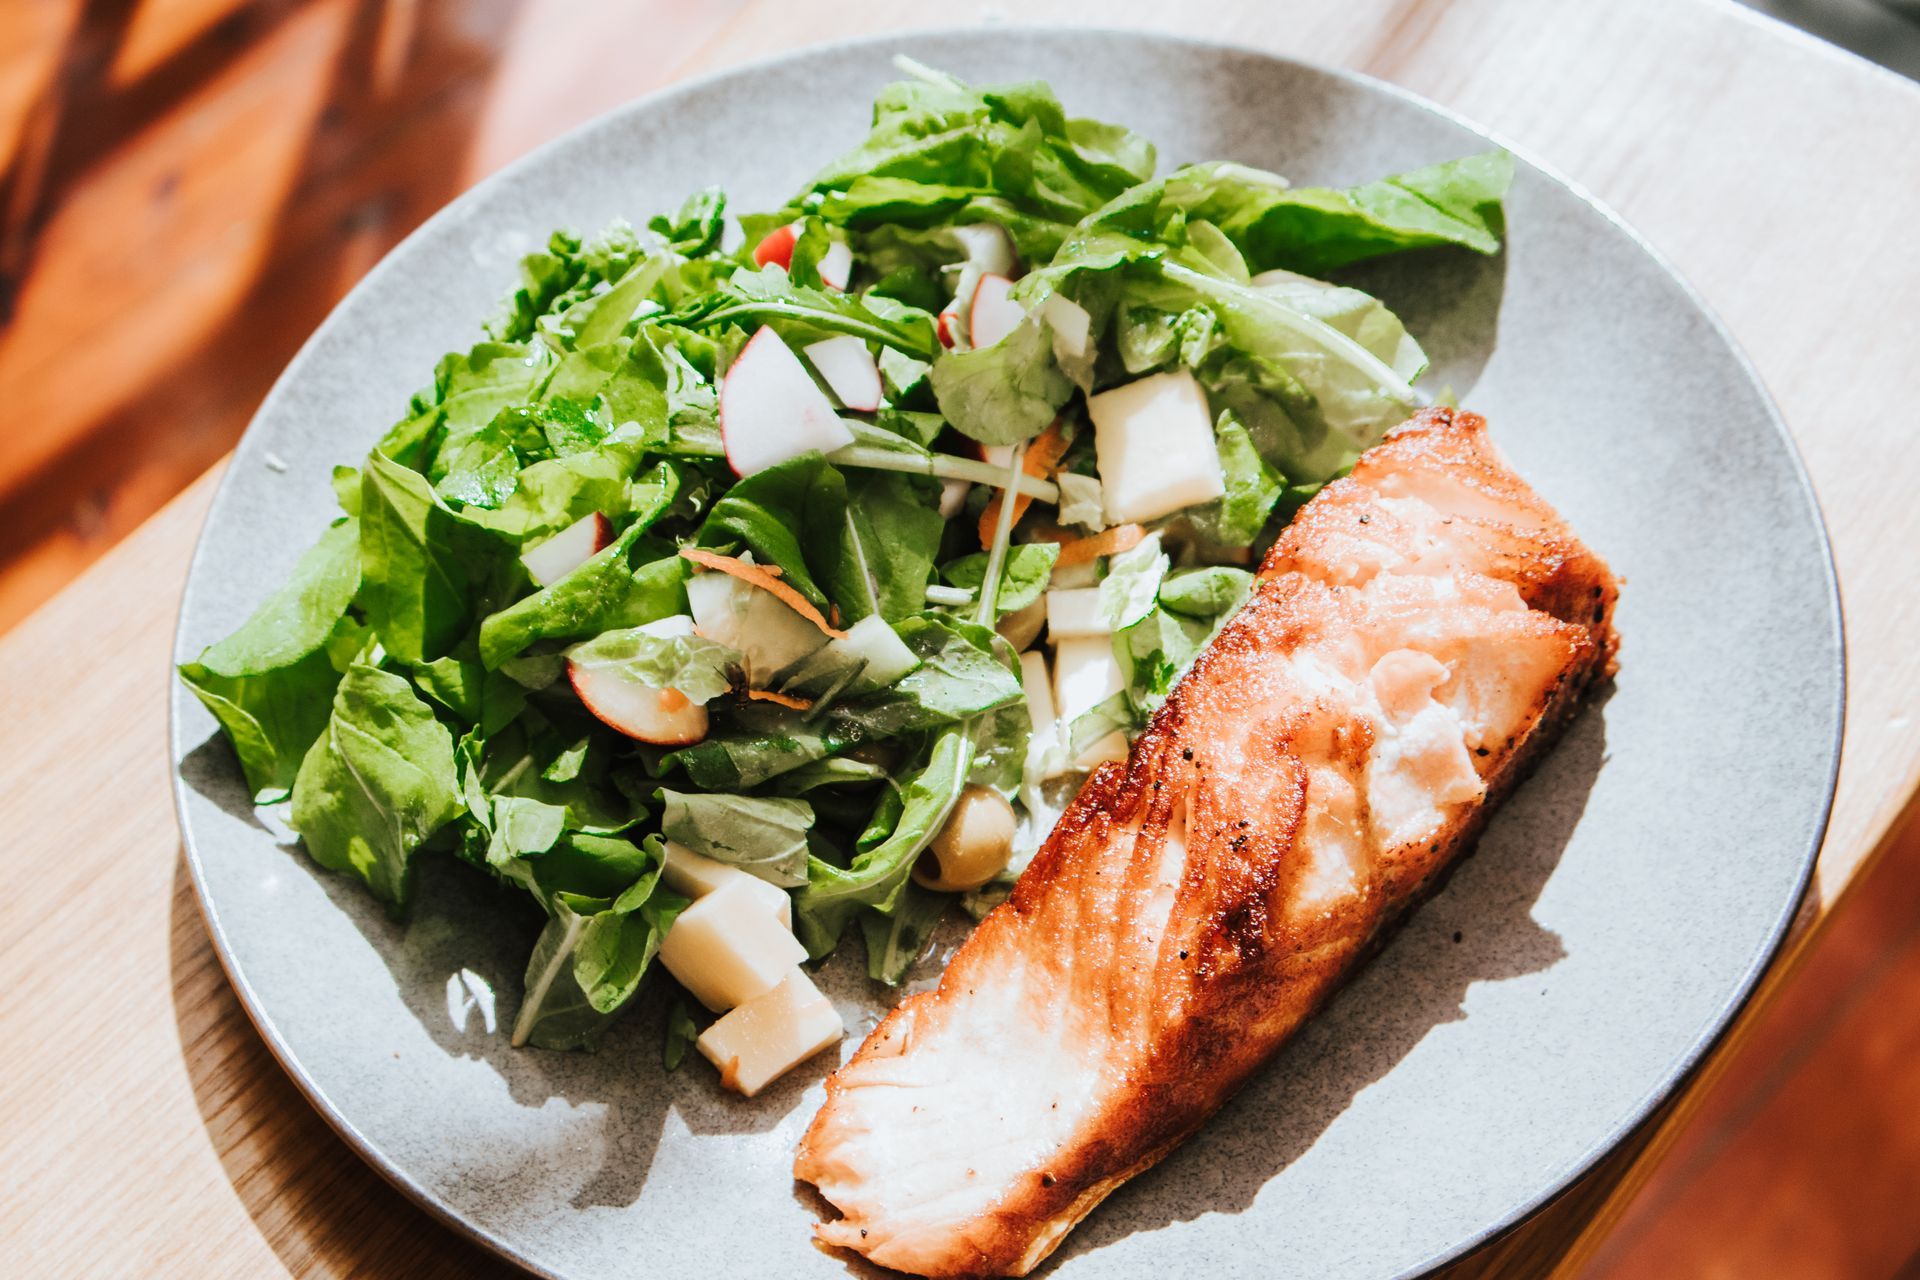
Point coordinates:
[[1108, 542], [758, 575], [1043, 455], [780, 699]]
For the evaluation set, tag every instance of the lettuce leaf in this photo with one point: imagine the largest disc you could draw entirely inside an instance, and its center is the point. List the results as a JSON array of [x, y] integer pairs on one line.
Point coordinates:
[[376, 784], [765, 835], [271, 682]]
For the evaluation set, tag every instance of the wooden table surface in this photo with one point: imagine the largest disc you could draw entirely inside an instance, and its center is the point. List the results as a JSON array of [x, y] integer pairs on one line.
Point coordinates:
[[145, 1130]]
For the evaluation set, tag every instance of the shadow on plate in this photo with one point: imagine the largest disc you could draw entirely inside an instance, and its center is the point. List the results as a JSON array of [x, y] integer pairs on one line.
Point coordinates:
[[1450, 301], [1478, 928], [458, 965], [312, 1199]]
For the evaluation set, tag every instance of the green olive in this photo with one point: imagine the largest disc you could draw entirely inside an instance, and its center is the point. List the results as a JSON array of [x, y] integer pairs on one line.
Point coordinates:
[[1022, 627], [973, 847]]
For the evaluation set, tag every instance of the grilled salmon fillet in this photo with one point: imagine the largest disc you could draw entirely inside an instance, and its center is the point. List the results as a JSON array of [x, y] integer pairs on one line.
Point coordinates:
[[1418, 636]]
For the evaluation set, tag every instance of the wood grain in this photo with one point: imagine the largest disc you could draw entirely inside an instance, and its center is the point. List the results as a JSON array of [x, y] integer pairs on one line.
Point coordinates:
[[143, 1128]]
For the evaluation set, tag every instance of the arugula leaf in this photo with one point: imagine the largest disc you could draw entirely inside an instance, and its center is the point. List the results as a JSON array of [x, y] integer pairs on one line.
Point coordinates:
[[770, 509], [766, 835], [1158, 646], [800, 314], [757, 745], [681, 1032], [897, 938], [376, 784], [566, 270], [590, 958], [1312, 398], [602, 594], [874, 878], [1095, 723], [523, 826], [692, 664], [1024, 576], [470, 389], [602, 317], [873, 551], [487, 699], [1004, 393], [959, 676], [696, 227], [837, 771], [1132, 584], [421, 564], [1318, 229], [271, 682], [956, 142], [1236, 518], [1360, 316], [1207, 593], [1154, 653], [589, 864]]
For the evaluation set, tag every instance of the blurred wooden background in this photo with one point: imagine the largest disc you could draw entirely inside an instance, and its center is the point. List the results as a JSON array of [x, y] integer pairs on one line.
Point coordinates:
[[187, 186], [190, 185]]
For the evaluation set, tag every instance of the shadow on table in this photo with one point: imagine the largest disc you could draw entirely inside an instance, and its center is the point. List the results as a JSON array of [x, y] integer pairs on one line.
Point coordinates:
[[1415, 985]]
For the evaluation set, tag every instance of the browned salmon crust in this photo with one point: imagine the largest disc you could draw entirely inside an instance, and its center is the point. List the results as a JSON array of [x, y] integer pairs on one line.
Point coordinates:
[[1418, 637]]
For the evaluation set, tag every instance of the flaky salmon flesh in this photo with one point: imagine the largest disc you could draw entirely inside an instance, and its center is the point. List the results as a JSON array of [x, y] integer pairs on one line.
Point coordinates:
[[1418, 636]]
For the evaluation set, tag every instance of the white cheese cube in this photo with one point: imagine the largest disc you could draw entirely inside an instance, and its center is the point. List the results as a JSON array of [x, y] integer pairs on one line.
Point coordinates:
[[1086, 674], [769, 1035], [1153, 445], [727, 947], [1039, 689], [692, 875], [1075, 612]]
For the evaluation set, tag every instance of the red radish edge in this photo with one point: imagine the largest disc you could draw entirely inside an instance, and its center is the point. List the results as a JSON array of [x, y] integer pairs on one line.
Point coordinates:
[[993, 315], [776, 248], [835, 266], [943, 327], [659, 734], [729, 387]]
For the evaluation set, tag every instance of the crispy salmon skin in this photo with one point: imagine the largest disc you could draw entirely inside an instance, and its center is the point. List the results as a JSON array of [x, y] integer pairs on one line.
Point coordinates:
[[1419, 634]]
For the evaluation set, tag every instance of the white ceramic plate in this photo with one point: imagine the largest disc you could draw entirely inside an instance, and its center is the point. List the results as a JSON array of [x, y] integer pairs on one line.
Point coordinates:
[[1615, 916]]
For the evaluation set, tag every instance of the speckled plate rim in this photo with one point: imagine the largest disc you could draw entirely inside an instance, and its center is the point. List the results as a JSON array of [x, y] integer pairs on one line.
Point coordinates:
[[1520, 1213]]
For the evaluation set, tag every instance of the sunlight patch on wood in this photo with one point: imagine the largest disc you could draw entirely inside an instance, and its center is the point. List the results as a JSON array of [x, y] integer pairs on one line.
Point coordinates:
[[172, 227]]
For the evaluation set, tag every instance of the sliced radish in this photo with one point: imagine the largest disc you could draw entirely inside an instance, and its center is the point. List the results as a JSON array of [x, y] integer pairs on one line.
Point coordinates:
[[663, 717], [850, 370], [771, 410], [994, 313], [836, 266], [556, 557], [953, 498], [776, 249], [988, 249], [1000, 455], [948, 325], [1071, 325]]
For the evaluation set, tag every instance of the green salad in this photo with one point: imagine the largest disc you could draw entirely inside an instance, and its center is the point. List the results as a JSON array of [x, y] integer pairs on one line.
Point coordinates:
[[833, 544]]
